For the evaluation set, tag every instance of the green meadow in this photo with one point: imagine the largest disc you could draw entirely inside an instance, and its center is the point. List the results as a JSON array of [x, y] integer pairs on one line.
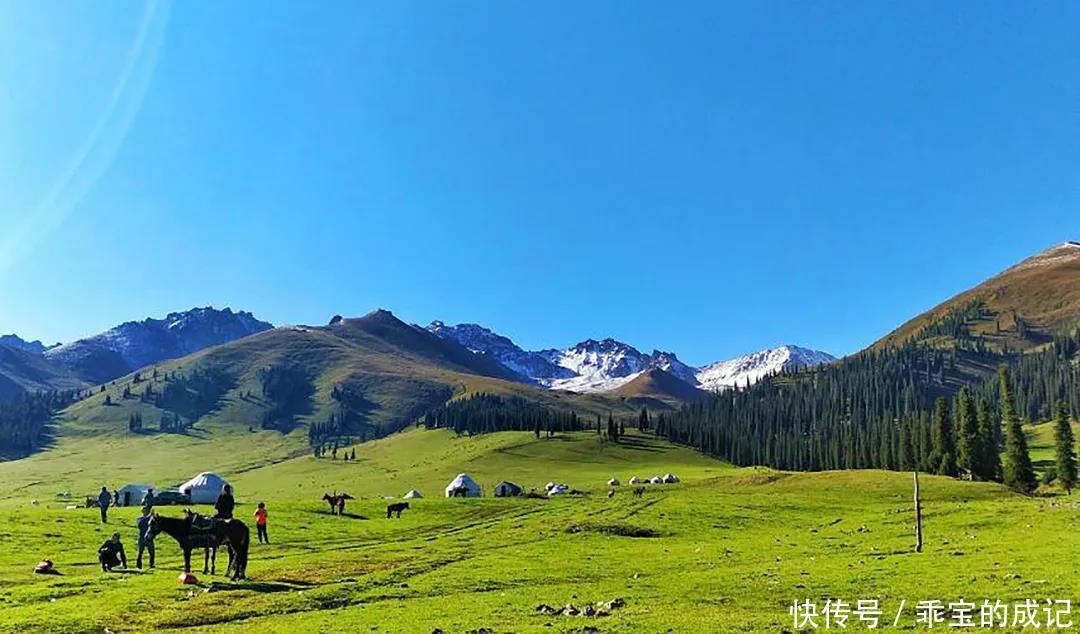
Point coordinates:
[[725, 550]]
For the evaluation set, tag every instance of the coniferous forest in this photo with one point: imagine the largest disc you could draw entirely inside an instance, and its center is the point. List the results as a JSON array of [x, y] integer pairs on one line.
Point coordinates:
[[24, 419]]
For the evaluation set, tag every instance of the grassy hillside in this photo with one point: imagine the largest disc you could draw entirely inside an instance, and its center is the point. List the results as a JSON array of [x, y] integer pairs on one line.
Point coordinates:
[[1017, 308], [725, 550], [22, 371], [658, 388], [395, 372]]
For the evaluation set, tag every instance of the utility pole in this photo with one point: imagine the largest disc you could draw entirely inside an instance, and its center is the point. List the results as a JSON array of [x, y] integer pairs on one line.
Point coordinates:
[[918, 516]]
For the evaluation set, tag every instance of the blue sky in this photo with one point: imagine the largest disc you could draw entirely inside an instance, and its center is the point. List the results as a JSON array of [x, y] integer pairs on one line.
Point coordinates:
[[707, 178]]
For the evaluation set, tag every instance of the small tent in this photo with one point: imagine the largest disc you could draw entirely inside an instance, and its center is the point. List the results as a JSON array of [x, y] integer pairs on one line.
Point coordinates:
[[614, 482], [412, 495], [506, 489], [465, 484], [634, 480], [132, 494], [204, 488], [670, 478], [558, 489], [549, 486], [656, 480]]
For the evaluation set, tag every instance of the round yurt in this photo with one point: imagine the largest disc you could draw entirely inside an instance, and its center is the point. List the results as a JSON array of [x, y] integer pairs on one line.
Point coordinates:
[[670, 478], [412, 495], [558, 489], [614, 482], [634, 480], [465, 484], [656, 480], [204, 488]]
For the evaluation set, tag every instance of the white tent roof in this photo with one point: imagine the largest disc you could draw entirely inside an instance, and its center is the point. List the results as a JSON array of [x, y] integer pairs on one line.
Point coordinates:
[[613, 482], [463, 480], [670, 478], [136, 487], [558, 489], [656, 480], [204, 488], [412, 495], [635, 480]]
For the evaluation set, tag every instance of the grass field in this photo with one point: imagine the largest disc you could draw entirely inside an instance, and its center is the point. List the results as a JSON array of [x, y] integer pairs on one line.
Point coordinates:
[[725, 550]]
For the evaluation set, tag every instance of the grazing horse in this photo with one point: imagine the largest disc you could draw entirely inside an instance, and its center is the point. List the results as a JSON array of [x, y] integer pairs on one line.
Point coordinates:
[[232, 533], [396, 508], [336, 502], [638, 492]]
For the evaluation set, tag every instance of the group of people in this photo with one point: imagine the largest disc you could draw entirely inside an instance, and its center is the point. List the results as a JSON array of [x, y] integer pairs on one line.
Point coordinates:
[[111, 553]]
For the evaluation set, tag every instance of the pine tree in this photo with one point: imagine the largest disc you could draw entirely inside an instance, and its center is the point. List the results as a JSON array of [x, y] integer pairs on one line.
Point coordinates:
[[967, 434], [988, 467], [943, 456], [1017, 471], [1065, 462]]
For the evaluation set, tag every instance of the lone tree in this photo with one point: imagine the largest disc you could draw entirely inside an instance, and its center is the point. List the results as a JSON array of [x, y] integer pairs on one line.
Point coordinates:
[[1065, 462], [1017, 470], [967, 434]]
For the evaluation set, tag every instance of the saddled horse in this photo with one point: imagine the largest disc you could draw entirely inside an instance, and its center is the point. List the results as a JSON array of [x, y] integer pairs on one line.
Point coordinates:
[[337, 502], [233, 534]]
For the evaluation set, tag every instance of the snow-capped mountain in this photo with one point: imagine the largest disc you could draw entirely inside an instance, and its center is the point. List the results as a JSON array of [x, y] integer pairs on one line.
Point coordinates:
[[750, 368], [533, 365], [18, 343], [607, 364], [137, 344]]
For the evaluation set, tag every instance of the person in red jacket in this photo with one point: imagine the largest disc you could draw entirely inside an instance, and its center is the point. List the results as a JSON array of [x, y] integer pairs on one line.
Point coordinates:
[[260, 523]]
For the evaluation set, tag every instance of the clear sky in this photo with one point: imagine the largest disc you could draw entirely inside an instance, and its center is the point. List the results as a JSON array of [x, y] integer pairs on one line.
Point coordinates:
[[707, 178]]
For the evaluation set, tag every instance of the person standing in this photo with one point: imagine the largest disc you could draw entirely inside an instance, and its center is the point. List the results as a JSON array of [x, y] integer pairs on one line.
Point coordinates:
[[116, 497], [104, 499], [148, 499], [225, 504], [260, 523], [146, 541]]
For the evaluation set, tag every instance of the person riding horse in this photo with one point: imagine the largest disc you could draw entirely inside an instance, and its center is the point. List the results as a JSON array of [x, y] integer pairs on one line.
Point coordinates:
[[225, 504]]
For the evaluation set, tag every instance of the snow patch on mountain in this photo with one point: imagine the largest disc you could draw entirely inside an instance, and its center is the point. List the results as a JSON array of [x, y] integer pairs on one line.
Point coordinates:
[[607, 364], [137, 344], [751, 368]]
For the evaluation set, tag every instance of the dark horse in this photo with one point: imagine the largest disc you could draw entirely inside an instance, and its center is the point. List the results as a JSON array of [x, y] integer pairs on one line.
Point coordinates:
[[396, 508], [337, 502], [232, 533]]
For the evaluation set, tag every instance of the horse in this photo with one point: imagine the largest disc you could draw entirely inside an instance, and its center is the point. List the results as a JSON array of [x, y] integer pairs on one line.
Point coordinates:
[[638, 492], [337, 502], [232, 533], [396, 508]]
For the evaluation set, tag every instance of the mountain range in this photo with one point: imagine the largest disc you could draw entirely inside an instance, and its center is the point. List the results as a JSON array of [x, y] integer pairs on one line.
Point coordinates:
[[608, 364]]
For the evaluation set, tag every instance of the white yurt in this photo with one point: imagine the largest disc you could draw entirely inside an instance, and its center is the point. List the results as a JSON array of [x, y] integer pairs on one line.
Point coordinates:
[[133, 494], [472, 489], [412, 495], [614, 482], [670, 478], [558, 489], [656, 480], [204, 488], [634, 480]]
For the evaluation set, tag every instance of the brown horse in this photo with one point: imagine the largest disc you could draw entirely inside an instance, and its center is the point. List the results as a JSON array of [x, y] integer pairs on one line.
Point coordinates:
[[337, 502]]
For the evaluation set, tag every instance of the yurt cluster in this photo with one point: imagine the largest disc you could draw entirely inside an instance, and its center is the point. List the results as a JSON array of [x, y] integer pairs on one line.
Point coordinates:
[[465, 486]]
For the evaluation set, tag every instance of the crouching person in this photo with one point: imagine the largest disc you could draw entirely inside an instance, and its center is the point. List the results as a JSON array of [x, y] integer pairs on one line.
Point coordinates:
[[111, 554]]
